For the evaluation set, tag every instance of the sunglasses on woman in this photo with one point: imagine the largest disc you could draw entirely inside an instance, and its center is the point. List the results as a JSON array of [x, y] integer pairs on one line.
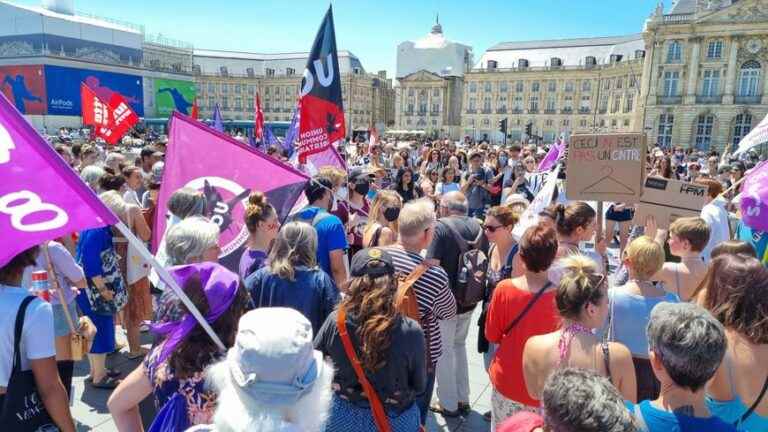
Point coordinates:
[[492, 228]]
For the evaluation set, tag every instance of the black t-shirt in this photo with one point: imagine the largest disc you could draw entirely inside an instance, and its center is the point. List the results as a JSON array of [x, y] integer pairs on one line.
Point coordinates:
[[445, 248], [403, 376]]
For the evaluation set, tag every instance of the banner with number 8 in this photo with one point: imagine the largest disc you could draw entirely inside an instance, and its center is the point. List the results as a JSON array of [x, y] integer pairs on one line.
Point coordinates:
[[41, 197]]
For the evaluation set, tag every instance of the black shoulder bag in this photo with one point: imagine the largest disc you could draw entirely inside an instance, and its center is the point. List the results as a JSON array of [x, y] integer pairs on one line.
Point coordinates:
[[526, 309], [22, 407]]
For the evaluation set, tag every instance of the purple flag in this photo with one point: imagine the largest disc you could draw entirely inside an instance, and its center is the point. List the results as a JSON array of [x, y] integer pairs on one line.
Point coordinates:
[[553, 155], [269, 138], [226, 171], [252, 140], [41, 197], [754, 197], [218, 123], [291, 134]]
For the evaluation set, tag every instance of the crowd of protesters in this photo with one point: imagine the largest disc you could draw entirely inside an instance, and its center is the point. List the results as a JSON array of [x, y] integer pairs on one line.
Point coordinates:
[[670, 336]]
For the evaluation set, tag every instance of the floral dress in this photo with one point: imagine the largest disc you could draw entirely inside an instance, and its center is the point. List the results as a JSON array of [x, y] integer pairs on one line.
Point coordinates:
[[201, 402]]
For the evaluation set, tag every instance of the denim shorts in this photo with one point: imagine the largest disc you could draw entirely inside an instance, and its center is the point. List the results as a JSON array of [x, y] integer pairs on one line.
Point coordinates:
[[60, 324]]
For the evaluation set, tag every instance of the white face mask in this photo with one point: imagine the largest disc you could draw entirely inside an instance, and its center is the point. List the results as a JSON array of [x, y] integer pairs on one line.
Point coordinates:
[[342, 193]]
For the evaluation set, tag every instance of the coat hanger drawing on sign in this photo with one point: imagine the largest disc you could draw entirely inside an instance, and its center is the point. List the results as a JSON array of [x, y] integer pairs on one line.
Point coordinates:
[[612, 185]]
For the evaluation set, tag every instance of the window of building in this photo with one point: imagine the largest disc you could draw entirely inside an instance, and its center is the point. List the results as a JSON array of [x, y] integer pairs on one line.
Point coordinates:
[[671, 79], [266, 91], [486, 122], [674, 52], [582, 123], [434, 122], [225, 103], [487, 87], [704, 131], [614, 123], [741, 127], [569, 86], [626, 122], [238, 88], [211, 102], [607, 84], [711, 82], [550, 103], [518, 103], [602, 122], [277, 91], [473, 87], [224, 88], [519, 87], [632, 81], [410, 108], [535, 86], [503, 103], [270, 72], [586, 85], [436, 92], [290, 71], [603, 107], [585, 104], [666, 122], [422, 107], [548, 122], [715, 49], [238, 104], [486, 103], [568, 103], [251, 89], [629, 102], [502, 87], [411, 92], [619, 83], [749, 78], [616, 103], [472, 104], [552, 86], [211, 88], [435, 108], [534, 103], [566, 122]]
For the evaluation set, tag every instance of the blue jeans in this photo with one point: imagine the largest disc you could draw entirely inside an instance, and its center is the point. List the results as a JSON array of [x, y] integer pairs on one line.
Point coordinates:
[[424, 399]]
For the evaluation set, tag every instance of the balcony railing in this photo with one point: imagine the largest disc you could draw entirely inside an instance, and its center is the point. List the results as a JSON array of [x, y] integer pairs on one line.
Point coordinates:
[[487, 111], [677, 18], [584, 110], [550, 111], [471, 111], [706, 100], [748, 100], [517, 111], [549, 68], [501, 111], [566, 111], [669, 100], [434, 113], [533, 111]]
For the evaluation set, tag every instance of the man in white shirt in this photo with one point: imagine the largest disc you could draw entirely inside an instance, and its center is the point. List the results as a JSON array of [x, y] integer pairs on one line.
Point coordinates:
[[715, 215]]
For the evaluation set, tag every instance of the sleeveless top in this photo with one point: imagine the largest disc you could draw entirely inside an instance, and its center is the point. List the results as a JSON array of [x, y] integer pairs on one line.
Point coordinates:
[[635, 312], [732, 410]]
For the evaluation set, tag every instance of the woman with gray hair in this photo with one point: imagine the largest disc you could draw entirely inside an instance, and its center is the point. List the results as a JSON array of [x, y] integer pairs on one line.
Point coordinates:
[[192, 240], [686, 345], [575, 400], [91, 175], [293, 279]]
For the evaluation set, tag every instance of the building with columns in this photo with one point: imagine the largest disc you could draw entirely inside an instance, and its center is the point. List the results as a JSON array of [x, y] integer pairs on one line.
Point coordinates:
[[430, 74], [556, 86], [232, 79], [704, 81]]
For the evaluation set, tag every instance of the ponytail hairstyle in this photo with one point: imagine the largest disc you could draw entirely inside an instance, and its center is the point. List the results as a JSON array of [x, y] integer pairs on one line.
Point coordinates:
[[257, 210], [580, 286], [295, 245], [574, 215]]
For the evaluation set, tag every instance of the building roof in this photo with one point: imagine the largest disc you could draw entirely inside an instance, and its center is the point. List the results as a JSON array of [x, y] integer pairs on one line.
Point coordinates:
[[243, 55], [239, 62], [572, 52], [683, 7], [565, 43], [79, 19]]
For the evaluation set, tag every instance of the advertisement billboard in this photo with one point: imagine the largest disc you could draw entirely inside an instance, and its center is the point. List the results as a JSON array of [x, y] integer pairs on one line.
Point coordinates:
[[63, 87], [24, 86], [173, 95]]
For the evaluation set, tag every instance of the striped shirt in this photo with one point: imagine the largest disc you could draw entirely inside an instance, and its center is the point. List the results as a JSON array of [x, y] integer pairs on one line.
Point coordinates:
[[433, 295]]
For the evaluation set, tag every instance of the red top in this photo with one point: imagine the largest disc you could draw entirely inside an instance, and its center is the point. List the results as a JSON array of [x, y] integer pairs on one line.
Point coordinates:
[[523, 421], [507, 366]]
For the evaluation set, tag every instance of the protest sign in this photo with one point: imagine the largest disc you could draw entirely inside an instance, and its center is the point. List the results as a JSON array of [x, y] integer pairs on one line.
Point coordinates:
[[754, 197], [530, 216], [226, 171], [606, 167], [41, 197], [668, 200]]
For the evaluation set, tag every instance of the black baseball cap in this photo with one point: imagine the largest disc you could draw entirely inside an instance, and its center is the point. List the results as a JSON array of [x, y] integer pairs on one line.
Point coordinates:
[[361, 263], [360, 175], [316, 187]]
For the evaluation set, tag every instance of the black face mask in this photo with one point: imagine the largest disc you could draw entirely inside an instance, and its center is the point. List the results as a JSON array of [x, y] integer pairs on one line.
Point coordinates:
[[362, 188], [391, 214]]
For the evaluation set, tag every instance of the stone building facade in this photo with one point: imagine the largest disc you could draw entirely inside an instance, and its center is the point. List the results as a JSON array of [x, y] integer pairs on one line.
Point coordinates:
[[705, 75]]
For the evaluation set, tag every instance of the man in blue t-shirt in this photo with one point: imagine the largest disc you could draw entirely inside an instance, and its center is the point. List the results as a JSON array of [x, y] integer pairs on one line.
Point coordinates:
[[331, 236]]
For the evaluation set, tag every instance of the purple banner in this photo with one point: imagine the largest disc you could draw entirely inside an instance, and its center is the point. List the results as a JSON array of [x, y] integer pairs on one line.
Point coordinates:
[[754, 197]]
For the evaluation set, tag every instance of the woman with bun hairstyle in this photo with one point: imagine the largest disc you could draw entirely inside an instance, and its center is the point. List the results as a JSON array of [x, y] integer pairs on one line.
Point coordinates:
[[381, 229], [582, 302], [261, 221], [576, 223]]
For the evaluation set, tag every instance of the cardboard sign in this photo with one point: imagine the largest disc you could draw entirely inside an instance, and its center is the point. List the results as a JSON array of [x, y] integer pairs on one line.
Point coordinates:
[[606, 167], [668, 200]]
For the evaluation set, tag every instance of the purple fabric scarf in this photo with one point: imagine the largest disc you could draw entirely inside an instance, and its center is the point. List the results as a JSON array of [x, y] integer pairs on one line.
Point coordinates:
[[220, 287]]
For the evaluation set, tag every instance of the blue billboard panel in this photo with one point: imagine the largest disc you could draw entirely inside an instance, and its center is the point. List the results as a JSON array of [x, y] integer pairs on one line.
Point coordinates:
[[63, 88]]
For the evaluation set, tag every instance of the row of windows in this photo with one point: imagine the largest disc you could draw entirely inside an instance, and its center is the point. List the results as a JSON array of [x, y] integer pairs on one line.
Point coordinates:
[[748, 81], [704, 125], [552, 86], [583, 123], [675, 50], [551, 103]]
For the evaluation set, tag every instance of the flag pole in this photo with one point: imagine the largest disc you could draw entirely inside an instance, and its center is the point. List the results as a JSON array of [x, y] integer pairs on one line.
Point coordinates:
[[170, 282]]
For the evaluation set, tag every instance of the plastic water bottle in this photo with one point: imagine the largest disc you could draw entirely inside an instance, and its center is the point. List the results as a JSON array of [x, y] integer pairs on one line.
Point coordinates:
[[40, 285]]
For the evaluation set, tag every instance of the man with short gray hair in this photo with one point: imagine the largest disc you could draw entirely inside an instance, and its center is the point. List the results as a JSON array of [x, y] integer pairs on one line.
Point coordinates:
[[686, 345], [455, 233]]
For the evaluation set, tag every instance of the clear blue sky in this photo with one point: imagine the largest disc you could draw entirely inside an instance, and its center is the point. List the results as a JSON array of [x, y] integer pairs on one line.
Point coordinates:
[[371, 29]]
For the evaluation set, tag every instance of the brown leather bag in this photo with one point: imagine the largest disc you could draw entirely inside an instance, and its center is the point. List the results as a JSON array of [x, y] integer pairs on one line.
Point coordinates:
[[405, 298]]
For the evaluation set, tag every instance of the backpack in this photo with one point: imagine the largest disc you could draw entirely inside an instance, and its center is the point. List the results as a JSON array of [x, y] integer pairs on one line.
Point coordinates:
[[405, 297], [469, 286]]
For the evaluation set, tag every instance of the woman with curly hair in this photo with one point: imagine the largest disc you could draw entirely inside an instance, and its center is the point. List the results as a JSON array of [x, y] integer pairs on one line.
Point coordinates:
[[174, 370], [391, 349]]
